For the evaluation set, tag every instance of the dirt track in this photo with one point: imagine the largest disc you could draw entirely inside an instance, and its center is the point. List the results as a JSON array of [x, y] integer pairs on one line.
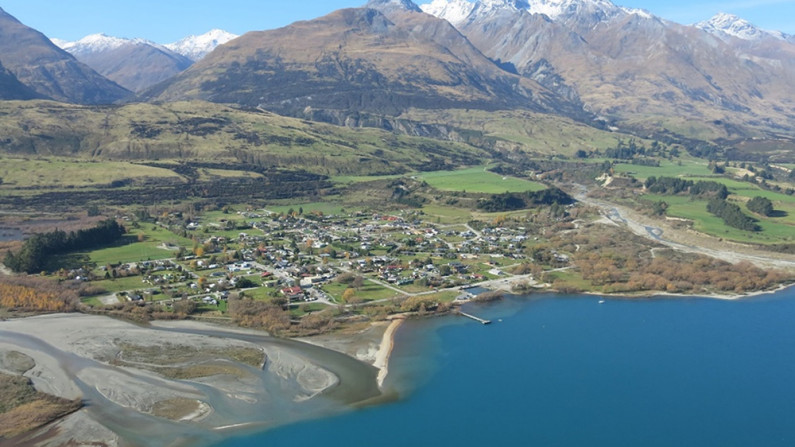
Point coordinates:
[[687, 240]]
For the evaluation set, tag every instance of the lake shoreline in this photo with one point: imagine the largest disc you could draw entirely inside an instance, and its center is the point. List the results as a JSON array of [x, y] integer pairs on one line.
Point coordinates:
[[78, 356], [373, 345]]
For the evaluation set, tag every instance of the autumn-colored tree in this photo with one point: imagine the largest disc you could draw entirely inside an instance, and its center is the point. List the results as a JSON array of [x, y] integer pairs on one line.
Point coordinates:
[[41, 296], [348, 294]]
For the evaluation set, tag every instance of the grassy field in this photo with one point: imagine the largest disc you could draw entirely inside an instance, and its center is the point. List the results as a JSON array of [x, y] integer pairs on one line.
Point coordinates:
[[61, 173], [348, 179], [447, 214], [122, 284], [203, 130], [479, 180], [476, 179], [368, 292], [324, 207], [570, 278], [128, 249], [774, 230], [680, 168], [526, 131]]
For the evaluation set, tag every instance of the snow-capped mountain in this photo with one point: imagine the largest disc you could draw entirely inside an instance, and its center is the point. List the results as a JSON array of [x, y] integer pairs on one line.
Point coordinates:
[[135, 64], [590, 11], [454, 11], [560, 9], [48, 71], [196, 47], [724, 25], [620, 61], [386, 5], [96, 43]]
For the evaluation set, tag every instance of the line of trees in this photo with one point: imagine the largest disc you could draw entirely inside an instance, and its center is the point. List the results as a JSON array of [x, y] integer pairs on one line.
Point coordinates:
[[517, 201], [760, 205], [32, 257], [732, 215], [675, 185]]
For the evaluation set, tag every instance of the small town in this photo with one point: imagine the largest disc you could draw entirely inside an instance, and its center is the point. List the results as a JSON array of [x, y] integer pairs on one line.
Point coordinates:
[[305, 262]]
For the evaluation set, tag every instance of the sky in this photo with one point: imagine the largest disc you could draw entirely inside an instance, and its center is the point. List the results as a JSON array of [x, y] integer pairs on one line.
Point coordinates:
[[166, 21]]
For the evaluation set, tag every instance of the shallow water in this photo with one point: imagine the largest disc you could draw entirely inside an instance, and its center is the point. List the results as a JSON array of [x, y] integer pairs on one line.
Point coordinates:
[[568, 371], [267, 400]]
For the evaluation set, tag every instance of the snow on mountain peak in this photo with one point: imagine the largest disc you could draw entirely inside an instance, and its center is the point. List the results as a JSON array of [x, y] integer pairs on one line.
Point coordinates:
[[454, 11], [731, 25], [95, 43], [555, 9], [407, 5], [196, 47]]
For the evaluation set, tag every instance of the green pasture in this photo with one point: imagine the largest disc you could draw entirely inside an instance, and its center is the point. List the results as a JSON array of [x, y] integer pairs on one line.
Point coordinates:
[[326, 208], [477, 180], [774, 230], [681, 168], [446, 214], [128, 283], [128, 249], [368, 292]]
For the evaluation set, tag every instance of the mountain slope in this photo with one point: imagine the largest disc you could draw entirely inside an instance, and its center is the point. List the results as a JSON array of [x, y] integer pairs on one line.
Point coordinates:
[[135, 64], [213, 133], [381, 59], [637, 69], [724, 25], [50, 71], [196, 47], [11, 88]]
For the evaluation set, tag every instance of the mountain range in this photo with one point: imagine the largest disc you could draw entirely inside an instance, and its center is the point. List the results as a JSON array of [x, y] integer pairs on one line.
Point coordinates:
[[381, 60], [591, 60], [46, 71], [137, 64], [638, 70]]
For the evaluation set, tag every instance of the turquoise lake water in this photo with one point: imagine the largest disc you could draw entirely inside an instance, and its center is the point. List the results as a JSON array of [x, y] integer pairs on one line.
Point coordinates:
[[568, 371]]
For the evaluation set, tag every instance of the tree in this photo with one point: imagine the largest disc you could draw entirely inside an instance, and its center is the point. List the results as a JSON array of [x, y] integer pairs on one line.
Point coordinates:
[[348, 294], [357, 282], [760, 205], [660, 207], [245, 283], [36, 249], [732, 215]]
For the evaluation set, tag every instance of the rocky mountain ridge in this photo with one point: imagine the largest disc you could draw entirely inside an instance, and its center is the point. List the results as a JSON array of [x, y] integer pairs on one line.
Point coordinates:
[[47, 70], [633, 68], [381, 59]]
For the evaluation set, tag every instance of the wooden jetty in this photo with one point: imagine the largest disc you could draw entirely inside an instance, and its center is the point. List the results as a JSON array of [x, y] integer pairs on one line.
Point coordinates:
[[479, 320]]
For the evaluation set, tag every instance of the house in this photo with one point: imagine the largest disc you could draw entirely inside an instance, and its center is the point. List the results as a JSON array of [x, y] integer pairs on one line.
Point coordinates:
[[293, 293]]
